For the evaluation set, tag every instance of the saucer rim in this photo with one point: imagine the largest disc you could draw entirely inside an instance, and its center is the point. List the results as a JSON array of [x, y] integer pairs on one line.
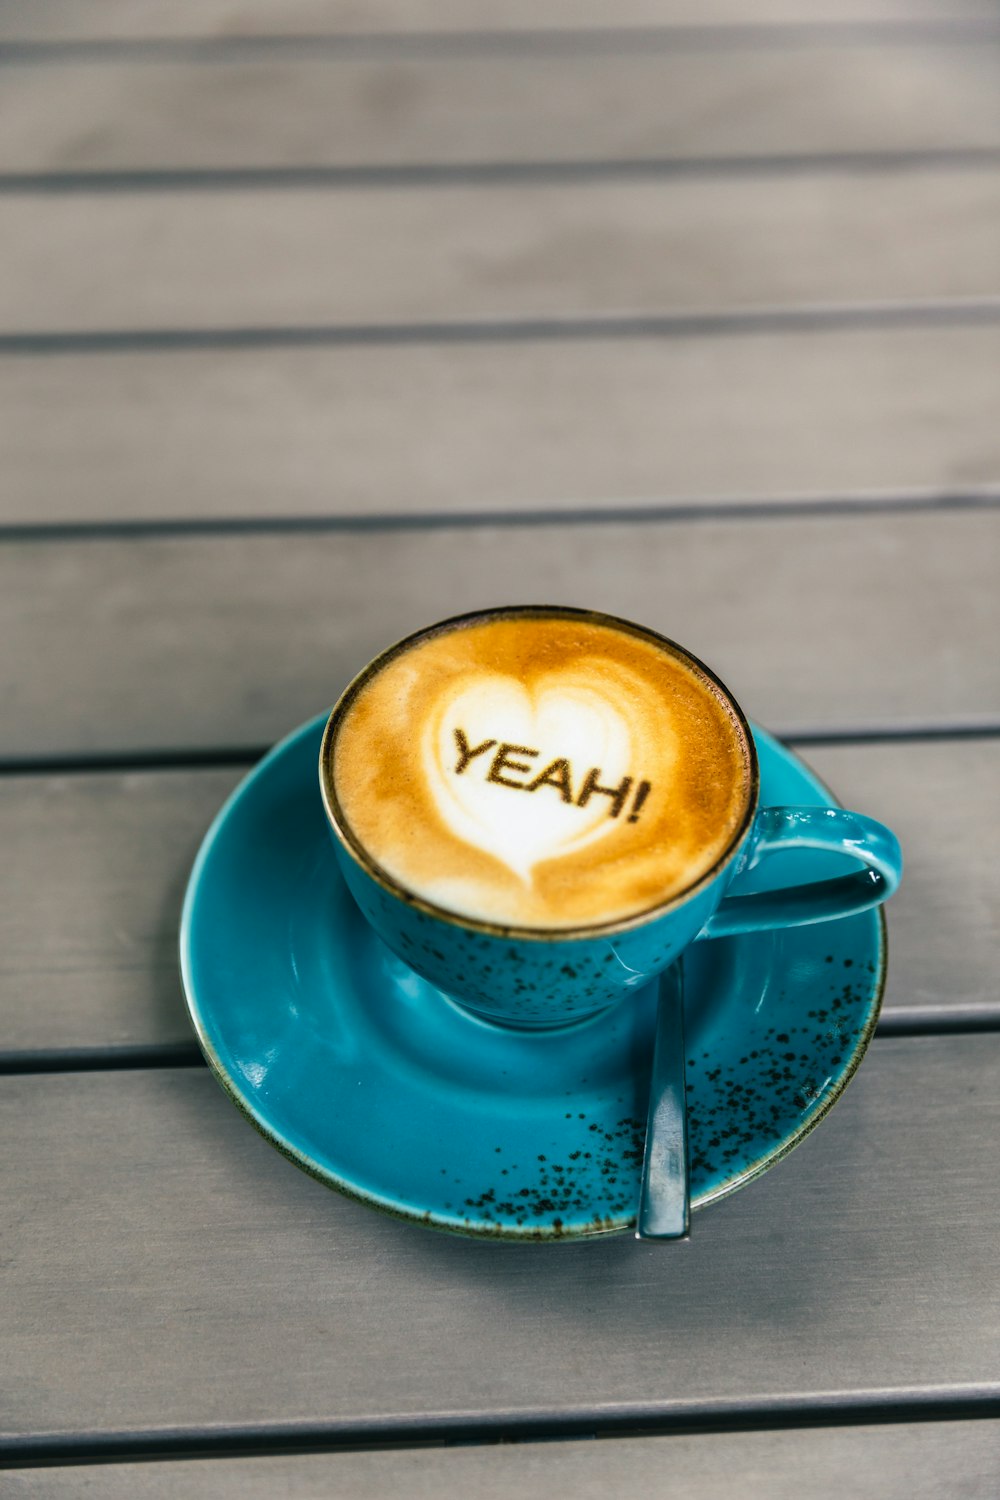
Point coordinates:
[[430, 1219]]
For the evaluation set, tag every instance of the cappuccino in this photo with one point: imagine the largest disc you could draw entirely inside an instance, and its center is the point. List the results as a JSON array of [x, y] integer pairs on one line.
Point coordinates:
[[540, 769]]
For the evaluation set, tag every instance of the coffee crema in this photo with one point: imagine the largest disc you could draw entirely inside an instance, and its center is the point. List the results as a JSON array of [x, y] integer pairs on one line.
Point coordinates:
[[539, 768]]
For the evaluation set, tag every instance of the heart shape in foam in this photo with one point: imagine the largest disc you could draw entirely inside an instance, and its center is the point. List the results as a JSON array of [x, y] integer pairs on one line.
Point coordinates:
[[561, 717]]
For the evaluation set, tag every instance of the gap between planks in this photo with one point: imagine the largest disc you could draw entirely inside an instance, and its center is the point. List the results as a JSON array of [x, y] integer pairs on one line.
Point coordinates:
[[835, 1410], [494, 173], [899, 31], [195, 759], [958, 1021], [956, 312], [979, 497], [541, 41]]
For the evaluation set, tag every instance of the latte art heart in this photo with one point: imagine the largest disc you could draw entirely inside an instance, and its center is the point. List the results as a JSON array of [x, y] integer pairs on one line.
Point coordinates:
[[540, 770], [501, 758]]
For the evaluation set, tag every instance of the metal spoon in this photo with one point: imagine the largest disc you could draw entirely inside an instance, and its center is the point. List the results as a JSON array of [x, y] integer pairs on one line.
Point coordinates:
[[664, 1199]]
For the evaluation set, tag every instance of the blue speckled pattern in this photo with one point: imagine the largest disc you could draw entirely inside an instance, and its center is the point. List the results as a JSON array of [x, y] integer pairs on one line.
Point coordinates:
[[535, 984], [367, 1077]]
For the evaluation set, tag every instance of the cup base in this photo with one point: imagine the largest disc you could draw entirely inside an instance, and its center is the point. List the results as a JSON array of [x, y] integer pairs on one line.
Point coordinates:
[[531, 1027]]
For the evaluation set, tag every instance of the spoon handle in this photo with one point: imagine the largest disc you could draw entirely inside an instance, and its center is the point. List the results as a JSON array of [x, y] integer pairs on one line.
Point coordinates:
[[664, 1199]]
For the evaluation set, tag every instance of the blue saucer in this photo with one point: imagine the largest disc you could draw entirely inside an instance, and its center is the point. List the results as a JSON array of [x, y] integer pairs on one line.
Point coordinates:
[[371, 1080]]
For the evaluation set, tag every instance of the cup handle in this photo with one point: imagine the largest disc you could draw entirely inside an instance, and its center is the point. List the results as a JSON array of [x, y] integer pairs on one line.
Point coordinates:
[[833, 830]]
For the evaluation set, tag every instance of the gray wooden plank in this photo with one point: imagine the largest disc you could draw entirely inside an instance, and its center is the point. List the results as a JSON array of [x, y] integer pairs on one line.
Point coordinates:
[[446, 427], [154, 1239], [91, 890], [899, 1461], [943, 801], [376, 112], [179, 643], [49, 20], [105, 859], [192, 260]]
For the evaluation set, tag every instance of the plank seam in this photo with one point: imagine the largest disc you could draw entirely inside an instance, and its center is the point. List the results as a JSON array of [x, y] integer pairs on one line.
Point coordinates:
[[881, 734], [959, 1020], [498, 173], [194, 758], [100, 1059], [103, 763], [836, 1409], [625, 512], [929, 1021], [543, 42], [749, 321]]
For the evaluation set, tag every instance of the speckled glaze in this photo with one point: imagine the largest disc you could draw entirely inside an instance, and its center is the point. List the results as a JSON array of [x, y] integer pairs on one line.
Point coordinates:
[[531, 983], [366, 1076]]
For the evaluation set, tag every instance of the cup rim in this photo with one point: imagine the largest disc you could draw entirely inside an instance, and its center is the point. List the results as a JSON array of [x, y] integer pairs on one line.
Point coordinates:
[[338, 820]]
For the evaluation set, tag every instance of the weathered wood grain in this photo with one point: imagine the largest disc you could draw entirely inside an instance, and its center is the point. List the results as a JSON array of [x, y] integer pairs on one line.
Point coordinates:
[[817, 623], [164, 1270], [404, 255], [91, 890], [894, 1462], [90, 901], [564, 423], [274, 112], [943, 801], [153, 1238], [50, 20]]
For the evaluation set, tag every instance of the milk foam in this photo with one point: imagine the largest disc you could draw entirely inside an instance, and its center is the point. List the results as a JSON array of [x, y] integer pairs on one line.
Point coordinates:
[[521, 804], [540, 771]]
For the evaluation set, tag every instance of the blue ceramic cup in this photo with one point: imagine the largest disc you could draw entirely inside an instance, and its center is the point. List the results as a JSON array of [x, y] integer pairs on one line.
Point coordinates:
[[544, 977]]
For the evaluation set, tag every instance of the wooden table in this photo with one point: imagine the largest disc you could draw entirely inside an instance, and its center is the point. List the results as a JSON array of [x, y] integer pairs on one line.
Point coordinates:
[[318, 321]]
